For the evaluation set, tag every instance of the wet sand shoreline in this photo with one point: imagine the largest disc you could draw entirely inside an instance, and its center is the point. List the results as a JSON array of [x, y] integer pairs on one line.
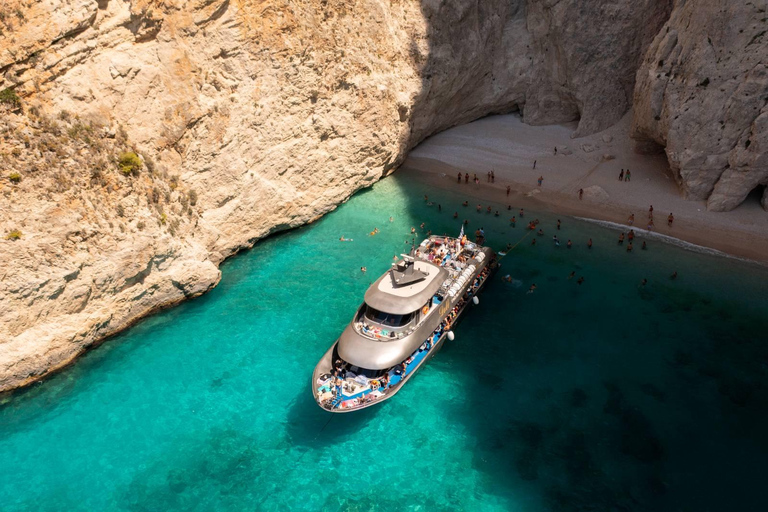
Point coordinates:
[[481, 146]]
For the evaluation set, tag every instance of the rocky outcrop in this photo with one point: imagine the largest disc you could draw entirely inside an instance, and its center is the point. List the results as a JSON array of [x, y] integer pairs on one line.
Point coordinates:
[[250, 117], [702, 95]]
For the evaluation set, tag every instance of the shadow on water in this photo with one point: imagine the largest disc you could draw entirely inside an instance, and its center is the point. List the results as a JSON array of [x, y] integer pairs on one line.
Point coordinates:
[[611, 395], [310, 426]]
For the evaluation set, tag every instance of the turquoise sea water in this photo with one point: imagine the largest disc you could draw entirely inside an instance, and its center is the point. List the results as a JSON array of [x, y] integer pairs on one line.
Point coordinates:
[[601, 396]]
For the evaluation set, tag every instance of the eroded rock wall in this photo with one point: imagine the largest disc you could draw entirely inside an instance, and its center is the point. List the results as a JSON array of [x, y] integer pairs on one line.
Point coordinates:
[[252, 117], [702, 94]]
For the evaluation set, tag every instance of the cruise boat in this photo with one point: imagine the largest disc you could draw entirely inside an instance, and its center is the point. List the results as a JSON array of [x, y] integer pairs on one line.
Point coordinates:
[[405, 318]]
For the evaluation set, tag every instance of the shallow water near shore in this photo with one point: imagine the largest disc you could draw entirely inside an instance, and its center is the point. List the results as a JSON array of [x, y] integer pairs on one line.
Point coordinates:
[[603, 396]]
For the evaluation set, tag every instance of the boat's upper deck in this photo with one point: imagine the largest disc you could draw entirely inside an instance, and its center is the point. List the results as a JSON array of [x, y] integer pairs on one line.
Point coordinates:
[[387, 296]]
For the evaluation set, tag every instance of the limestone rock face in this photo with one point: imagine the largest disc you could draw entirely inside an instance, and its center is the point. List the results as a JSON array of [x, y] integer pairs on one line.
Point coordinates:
[[257, 116], [702, 94]]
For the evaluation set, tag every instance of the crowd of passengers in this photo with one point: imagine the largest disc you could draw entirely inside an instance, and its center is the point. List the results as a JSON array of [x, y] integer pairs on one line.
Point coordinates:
[[444, 253]]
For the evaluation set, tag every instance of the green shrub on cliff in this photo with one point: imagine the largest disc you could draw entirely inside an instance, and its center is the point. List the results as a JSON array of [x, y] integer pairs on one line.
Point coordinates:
[[129, 162], [14, 177], [9, 97], [13, 235]]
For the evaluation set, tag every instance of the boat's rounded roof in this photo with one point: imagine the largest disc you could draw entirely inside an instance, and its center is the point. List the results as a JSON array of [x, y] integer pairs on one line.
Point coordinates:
[[401, 300]]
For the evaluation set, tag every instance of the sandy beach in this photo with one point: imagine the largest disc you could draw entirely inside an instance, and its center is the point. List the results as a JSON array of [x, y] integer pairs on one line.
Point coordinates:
[[508, 147]]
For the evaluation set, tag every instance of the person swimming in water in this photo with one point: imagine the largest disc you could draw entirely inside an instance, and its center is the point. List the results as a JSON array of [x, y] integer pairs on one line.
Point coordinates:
[[644, 282], [522, 213], [589, 243], [342, 239], [644, 247], [569, 244], [513, 221], [580, 280], [555, 240], [465, 203], [540, 232], [674, 275], [532, 288], [455, 215], [572, 275]]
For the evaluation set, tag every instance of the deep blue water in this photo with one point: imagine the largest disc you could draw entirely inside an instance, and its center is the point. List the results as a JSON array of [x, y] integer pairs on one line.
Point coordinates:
[[601, 396]]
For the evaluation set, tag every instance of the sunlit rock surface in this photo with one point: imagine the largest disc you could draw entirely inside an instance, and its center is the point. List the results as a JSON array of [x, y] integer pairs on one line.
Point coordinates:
[[253, 117]]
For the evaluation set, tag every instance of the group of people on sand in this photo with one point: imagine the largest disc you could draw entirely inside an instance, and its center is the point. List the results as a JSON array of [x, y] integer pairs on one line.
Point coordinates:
[[625, 175], [490, 177], [670, 219]]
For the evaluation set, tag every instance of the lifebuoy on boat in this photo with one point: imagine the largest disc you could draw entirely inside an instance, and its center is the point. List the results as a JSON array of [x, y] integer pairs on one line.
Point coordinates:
[[425, 310]]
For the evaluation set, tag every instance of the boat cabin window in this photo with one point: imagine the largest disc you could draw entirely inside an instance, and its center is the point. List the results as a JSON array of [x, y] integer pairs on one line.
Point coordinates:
[[387, 319]]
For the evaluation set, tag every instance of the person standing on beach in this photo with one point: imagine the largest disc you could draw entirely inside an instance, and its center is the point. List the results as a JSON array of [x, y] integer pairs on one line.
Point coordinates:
[[581, 194], [555, 150], [621, 175], [466, 178], [509, 189], [627, 176], [631, 219], [488, 177], [650, 224], [589, 244], [541, 178], [493, 177], [670, 219], [534, 164], [650, 211], [459, 178], [558, 224]]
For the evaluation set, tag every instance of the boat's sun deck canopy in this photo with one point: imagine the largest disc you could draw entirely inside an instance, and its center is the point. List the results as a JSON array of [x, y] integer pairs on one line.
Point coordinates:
[[385, 296]]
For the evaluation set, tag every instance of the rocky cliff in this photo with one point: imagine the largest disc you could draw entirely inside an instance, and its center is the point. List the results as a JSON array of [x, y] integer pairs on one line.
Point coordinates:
[[702, 96], [145, 141]]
